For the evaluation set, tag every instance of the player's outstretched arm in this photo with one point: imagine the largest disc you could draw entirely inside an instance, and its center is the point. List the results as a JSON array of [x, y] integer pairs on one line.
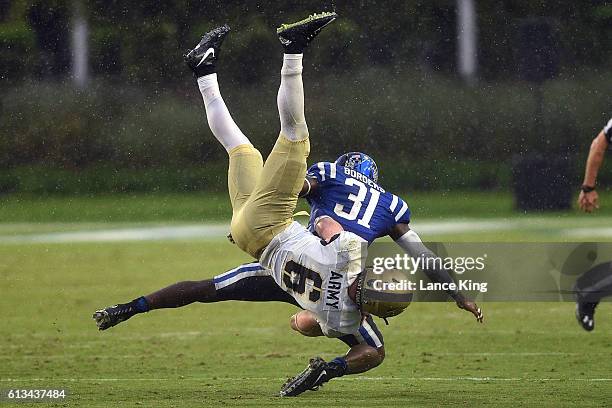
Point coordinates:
[[411, 243], [588, 200]]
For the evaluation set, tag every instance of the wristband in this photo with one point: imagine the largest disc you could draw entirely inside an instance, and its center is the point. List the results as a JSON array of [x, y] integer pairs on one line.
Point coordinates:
[[587, 189]]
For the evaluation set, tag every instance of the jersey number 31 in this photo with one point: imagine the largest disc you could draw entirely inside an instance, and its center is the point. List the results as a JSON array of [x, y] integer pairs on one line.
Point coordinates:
[[358, 200]]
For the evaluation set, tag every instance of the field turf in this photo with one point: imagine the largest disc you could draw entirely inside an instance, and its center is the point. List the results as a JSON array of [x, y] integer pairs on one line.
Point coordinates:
[[238, 354], [206, 207]]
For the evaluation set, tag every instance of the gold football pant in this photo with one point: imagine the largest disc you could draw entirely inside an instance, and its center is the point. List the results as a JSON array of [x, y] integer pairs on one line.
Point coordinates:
[[264, 196]]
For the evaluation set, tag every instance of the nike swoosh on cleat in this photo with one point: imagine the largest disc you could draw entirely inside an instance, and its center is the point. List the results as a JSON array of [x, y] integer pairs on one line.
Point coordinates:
[[206, 54]]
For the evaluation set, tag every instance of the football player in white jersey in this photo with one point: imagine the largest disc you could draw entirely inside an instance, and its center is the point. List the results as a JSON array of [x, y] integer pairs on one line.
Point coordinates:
[[325, 275], [330, 299]]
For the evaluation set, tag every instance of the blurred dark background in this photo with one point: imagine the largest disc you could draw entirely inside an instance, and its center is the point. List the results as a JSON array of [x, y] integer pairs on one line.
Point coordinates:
[[95, 97]]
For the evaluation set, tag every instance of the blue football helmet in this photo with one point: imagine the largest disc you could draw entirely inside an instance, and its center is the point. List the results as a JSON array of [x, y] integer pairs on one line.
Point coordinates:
[[361, 163]]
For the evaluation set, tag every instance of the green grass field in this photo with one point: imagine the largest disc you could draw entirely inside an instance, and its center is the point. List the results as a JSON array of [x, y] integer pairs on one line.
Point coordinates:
[[238, 354], [206, 207]]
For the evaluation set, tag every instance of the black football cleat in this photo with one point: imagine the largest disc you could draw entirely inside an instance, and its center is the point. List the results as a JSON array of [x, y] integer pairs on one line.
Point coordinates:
[[585, 314], [113, 315], [203, 58], [310, 379], [295, 37]]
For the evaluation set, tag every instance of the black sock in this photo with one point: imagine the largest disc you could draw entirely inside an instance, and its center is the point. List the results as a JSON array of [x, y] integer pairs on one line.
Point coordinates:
[[139, 305], [204, 70]]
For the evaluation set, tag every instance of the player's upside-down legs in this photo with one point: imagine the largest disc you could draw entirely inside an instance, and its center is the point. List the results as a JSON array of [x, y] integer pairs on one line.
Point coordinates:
[[263, 196], [270, 204]]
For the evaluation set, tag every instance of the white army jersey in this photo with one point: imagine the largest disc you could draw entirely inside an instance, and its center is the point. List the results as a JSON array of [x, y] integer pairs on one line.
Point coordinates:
[[318, 275]]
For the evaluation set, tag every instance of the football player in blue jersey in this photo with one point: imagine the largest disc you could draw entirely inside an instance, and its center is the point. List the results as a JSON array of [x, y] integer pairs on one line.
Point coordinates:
[[347, 191]]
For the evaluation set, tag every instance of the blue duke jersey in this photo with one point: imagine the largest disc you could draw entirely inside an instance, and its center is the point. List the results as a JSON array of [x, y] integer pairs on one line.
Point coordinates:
[[359, 204]]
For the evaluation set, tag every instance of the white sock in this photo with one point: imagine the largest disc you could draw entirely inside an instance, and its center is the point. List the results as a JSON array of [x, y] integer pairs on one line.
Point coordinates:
[[219, 119], [292, 64], [291, 99]]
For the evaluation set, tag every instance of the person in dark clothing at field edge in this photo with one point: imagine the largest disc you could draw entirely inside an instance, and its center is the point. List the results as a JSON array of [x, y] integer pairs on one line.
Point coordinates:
[[596, 283]]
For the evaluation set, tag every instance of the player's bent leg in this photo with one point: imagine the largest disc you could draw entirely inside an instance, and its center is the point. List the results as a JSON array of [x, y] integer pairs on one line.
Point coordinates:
[[363, 357], [367, 348], [245, 161], [359, 359], [367, 352], [269, 210], [305, 323]]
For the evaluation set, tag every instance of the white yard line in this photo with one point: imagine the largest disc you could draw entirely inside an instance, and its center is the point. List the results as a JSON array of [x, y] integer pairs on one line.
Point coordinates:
[[604, 232], [356, 378], [116, 233], [156, 233]]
